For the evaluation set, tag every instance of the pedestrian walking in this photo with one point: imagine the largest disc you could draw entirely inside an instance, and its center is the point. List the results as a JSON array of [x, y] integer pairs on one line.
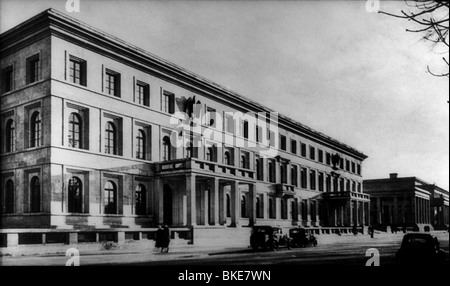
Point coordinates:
[[159, 238], [371, 231], [165, 239]]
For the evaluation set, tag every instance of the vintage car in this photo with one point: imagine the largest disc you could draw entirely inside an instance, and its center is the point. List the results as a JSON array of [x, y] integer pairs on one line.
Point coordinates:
[[268, 237], [301, 237], [420, 248]]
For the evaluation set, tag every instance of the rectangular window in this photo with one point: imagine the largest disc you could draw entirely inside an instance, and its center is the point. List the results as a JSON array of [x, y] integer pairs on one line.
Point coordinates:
[[142, 93], [347, 165], [312, 153], [328, 158], [210, 116], [294, 171], [353, 167], [303, 179], [341, 163], [283, 142], [358, 169], [229, 123], [244, 129], [312, 179], [168, 102], [320, 156], [321, 178], [77, 71], [294, 146], [112, 84], [328, 183], [303, 147], [259, 134], [8, 79], [271, 137], [33, 69]]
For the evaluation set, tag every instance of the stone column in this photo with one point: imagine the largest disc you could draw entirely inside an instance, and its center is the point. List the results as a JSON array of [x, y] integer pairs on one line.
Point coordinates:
[[379, 216], [205, 202], [251, 210], [308, 212], [278, 208], [349, 211], [317, 213], [214, 201], [235, 201], [299, 209], [265, 208], [159, 201], [222, 204], [191, 200], [395, 219]]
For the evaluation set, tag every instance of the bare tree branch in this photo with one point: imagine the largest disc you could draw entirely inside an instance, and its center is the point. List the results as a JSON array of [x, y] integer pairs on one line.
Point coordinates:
[[432, 17]]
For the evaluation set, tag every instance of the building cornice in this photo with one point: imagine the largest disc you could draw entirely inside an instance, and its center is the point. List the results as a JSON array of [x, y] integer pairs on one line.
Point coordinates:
[[72, 30]]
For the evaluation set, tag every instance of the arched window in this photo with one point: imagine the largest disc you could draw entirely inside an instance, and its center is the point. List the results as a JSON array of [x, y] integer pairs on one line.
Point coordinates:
[[110, 138], [191, 151], [283, 209], [75, 131], [227, 158], [228, 205], [258, 169], [36, 130], [271, 172], [140, 197], [243, 161], [10, 136], [283, 173], [166, 148], [9, 197], [243, 206], [294, 176], [293, 210], [210, 154], [258, 207], [110, 198], [271, 209], [140, 144], [75, 195], [35, 195]]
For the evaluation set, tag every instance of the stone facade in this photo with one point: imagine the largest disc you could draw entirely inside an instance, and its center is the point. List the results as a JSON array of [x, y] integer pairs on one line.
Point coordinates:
[[103, 160]]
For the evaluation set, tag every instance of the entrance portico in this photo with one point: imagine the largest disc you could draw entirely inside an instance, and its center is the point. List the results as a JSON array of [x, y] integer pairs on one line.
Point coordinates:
[[201, 199]]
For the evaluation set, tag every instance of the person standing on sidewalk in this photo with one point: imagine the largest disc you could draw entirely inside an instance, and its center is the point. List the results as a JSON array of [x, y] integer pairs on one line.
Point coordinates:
[[159, 236], [165, 239]]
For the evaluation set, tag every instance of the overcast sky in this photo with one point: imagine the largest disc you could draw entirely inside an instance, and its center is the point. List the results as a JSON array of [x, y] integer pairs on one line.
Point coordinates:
[[353, 75]]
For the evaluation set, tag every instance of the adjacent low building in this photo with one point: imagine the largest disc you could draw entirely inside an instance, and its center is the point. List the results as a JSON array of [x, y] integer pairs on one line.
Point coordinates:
[[407, 201]]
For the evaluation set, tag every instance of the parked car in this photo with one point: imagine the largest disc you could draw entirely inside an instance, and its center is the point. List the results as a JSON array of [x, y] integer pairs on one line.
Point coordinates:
[[300, 237], [268, 237], [420, 248]]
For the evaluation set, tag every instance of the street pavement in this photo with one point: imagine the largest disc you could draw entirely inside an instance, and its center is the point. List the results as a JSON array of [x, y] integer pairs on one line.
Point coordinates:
[[345, 250]]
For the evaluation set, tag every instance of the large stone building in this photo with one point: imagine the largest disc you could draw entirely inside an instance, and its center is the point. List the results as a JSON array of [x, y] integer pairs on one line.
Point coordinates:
[[88, 145], [407, 201]]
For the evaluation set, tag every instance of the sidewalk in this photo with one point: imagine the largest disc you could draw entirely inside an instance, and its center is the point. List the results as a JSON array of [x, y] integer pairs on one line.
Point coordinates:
[[145, 252]]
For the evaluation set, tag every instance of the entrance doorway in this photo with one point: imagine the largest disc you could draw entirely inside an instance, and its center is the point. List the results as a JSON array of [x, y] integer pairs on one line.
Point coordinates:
[[167, 204]]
